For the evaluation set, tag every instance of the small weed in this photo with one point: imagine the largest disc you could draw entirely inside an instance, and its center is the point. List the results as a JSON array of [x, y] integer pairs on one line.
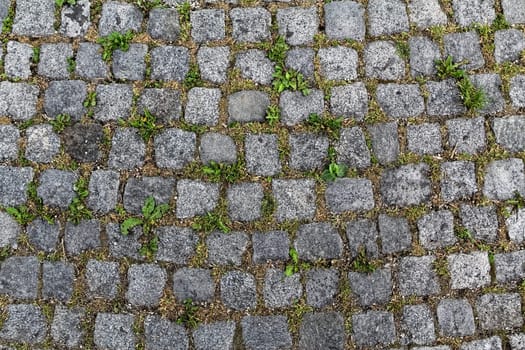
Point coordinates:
[[211, 222], [463, 233], [5, 252], [184, 10], [60, 122], [36, 55], [147, 5], [441, 267], [39, 208], [149, 248], [220, 172], [188, 317], [267, 206], [146, 124], [334, 171], [330, 126], [78, 210], [403, 50], [193, 77], [71, 64], [273, 115], [500, 22], [277, 53], [151, 213], [21, 214], [448, 69], [7, 24], [61, 3], [91, 100], [289, 79], [115, 41], [294, 266], [362, 264]]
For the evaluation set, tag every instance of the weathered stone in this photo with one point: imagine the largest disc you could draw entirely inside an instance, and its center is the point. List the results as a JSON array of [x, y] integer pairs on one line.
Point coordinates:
[[466, 135], [25, 323], [296, 107], [42, 235], [163, 24], [194, 284], [128, 149], [387, 17], [245, 201], [130, 64], [262, 154], [114, 331], [481, 222], [113, 102], [347, 194], [458, 180], [218, 148], [18, 100], [509, 132], [82, 237], [308, 151], [238, 290], [424, 138], [66, 97], [400, 100], [406, 185], [161, 334], [372, 288], [516, 224], [66, 328], [417, 325], [34, 19], [508, 45], [373, 328], [75, 19], [53, 60], [226, 248], [102, 279], [417, 276], [14, 182], [318, 241], [42, 143], [17, 61], [103, 190], [344, 20], [362, 235], [514, 11], [202, 106], [56, 187], [119, 17], [19, 277], [247, 106], [174, 148], [57, 280], [385, 141], [217, 335], [499, 311], [492, 343], [176, 244], [467, 12], [138, 189], [266, 333], [250, 24], [510, 267], [321, 287], [469, 270], [124, 246], [455, 318], [213, 63], [268, 246], [207, 25], [464, 49], [395, 233], [426, 13], [349, 101], [298, 25], [444, 98], [351, 148], [89, 63], [9, 137], [145, 284], [504, 179], [423, 53], [280, 290], [195, 198], [338, 63], [382, 60], [322, 330], [169, 63], [436, 229], [295, 199], [164, 104]]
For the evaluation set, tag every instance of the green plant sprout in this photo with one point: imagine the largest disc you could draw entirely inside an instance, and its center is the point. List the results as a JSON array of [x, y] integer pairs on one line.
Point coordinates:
[[60, 122], [61, 3], [210, 222], [21, 214], [151, 213], [220, 172], [115, 41], [146, 124], [77, 210], [188, 317], [273, 114], [330, 126], [295, 265]]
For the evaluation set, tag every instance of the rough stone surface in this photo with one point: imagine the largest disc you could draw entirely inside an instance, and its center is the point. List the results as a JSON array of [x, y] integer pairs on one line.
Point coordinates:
[[89, 63], [66, 328], [34, 19], [298, 24], [238, 290], [128, 149], [164, 24], [417, 276], [362, 235], [417, 325], [226, 248], [113, 102], [11, 230], [423, 52], [9, 136], [202, 106], [395, 233], [217, 335], [102, 279], [24, 323], [296, 108], [266, 333], [280, 290], [138, 189], [254, 65], [322, 330], [321, 287], [455, 318], [515, 225], [164, 104], [207, 25], [424, 138], [169, 63], [318, 241], [247, 106], [351, 148], [469, 270], [65, 97], [145, 284], [119, 17], [504, 179], [385, 141], [492, 343], [176, 244], [295, 199], [174, 148], [517, 87], [56, 187], [42, 235], [262, 154], [42, 144], [387, 17], [161, 334], [53, 60], [466, 135], [218, 148], [467, 12], [344, 20], [406, 185], [382, 61], [18, 100], [373, 328], [250, 24], [130, 64], [121, 246], [82, 237], [349, 101], [19, 277], [14, 183], [195, 198], [444, 98], [464, 48], [213, 63], [458, 180], [436, 229], [499, 311], [114, 331], [270, 246], [509, 266], [514, 11], [508, 132], [17, 61], [400, 100], [508, 45], [346, 194], [193, 283], [308, 151], [57, 280], [481, 222], [426, 13], [245, 201], [338, 63], [75, 19], [103, 190], [372, 288]]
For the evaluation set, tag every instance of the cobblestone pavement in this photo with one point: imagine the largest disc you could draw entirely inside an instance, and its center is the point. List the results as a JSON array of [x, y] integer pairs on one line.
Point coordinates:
[[251, 174]]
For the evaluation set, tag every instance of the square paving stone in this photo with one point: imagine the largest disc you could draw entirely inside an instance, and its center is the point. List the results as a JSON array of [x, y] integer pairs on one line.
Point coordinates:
[[128, 149], [89, 62], [458, 180], [216, 335], [321, 286], [504, 179], [17, 61], [25, 323], [352, 149], [444, 98], [436, 229], [245, 201], [174, 148], [114, 331], [517, 341], [254, 65], [510, 267], [455, 318], [119, 17], [102, 279], [481, 222], [514, 10], [138, 189], [400, 100], [82, 237], [130, 64], [169, 63], [14, 182], [18, 100], [56, 187], [213, 63], [417, 324], [374, 288], [247, 106], [66, 328], [296, 108], [266, 333], [42, 235], [10, 231], [57, 280], [517, 91], [349, 101], [103, 190], [113, 102], [344, 20], [34, 19], [164, 104], [270, 246], [121, 246], [373, 328], [406, 185], [322, 330], [424, 138], [338, 63], [308, 151], [194, 284], [469, 270], [250, 24], [385, 141], [362, 234], [280, 290], [319, 240], [382, 60], [465, 49], [19, 277], [466, 135], [298, 25], [345, 194], [508, 45], [491, 85], [196, 198], [395, 234], [301, 59], [218, 148], [226, 248], [423, 54], [163, 24], [238, 290], [509, 132], [417, 276], [262, 154], [53, 60], [145, 284], [75, 19], [492, 343], [202, 106], [9, 137], [42, 143], [295, 199], [65, 97], [176, 244], [467, 12], [387, 17], [499, 311], [207, 25], [161, 334], [515, 224], [426, 13]]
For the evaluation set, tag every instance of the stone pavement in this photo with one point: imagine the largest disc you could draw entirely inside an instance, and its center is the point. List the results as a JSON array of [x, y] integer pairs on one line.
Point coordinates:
[[255, 174]]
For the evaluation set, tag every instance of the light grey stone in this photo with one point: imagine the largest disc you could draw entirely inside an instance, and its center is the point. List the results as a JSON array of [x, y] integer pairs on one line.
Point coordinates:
[[174, 148], [195, 198], [42, 144], [469, 270], [17, 61], [504, 179], [349, 101], [119, 17], [382, 61], [344, 20], [298, 24], [387, 17]]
